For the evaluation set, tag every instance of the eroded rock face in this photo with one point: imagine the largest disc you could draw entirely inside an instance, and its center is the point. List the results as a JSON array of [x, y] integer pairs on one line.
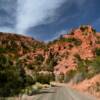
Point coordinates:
[[86, 49], [82, 42]]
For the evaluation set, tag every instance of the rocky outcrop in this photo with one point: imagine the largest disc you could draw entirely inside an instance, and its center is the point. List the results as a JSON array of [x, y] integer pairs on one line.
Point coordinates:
[[89, 41], [80, 42]]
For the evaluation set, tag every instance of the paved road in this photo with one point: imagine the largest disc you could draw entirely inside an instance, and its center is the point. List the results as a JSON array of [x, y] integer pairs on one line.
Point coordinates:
[[62, 93]]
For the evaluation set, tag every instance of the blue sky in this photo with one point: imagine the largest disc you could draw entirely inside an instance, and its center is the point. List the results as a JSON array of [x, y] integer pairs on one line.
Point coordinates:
[[47, 19]]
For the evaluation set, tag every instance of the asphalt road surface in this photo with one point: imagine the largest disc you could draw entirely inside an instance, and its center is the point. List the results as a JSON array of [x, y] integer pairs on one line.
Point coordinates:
[[62, 93]]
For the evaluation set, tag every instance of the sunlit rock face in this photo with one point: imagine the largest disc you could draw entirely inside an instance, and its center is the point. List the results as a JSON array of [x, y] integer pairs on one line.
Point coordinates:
[[86, 49]]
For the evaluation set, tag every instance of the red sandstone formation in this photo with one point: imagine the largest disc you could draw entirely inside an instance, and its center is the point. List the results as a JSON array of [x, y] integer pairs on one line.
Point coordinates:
[[88, 37]]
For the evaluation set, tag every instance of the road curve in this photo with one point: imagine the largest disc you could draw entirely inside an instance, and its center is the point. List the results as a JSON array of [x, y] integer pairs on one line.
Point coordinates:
[[62, 93]]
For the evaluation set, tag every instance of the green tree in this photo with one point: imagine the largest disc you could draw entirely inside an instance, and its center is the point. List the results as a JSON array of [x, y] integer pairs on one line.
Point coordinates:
[[12, 77]]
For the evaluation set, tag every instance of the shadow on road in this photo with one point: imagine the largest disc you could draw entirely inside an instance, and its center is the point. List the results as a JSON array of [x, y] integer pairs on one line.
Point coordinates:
[[41, 92]]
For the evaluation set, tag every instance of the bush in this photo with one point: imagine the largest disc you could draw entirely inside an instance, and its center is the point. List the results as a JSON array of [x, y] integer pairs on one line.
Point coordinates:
[[39, 59], [10, 81], [95, 64], [2, 50], [97, 50], [12, 77], [44, 78], [29, 80], [83, 28], [77, 56], [61, 78], [51, 61], [69, 75], [75, 41]]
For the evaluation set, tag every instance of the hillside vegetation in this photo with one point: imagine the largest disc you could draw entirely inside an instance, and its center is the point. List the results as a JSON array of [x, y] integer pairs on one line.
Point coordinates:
[[72, 57]]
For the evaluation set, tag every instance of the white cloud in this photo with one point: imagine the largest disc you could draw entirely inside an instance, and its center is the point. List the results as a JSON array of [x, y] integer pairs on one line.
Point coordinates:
[[58, 34], [7, 29], [31, 13], [62, 32]]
